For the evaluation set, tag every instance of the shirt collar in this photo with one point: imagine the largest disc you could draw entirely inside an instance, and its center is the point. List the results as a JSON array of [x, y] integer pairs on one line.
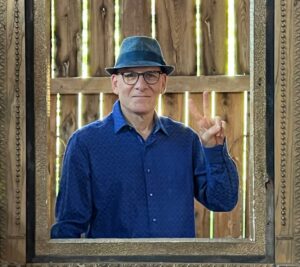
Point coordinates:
[[120, 121]]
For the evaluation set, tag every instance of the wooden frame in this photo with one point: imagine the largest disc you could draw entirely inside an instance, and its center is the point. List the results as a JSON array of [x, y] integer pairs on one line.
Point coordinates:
[[13, 161], [168, 248]]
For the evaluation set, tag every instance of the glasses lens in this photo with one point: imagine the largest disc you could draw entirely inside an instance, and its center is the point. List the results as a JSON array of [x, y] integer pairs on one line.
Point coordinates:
[[151, 77], [130, 77]]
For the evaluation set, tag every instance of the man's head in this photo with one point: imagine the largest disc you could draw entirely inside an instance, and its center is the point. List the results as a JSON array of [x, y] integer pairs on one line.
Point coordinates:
[[139, 75]]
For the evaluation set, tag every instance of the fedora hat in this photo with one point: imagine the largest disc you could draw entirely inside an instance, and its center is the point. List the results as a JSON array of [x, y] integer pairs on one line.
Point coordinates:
[[140, 51]]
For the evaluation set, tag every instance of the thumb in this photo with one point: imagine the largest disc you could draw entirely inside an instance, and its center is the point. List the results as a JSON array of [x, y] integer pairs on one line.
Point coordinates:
[[209, 135]]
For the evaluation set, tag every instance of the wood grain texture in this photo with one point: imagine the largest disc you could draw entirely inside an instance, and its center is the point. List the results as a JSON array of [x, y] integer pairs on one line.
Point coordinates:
[[51, 136], [287, 128], [101, 54], [176, 84], [284, 121], [135, 18], [68, 64], [242, 10], [13, 132], [230, 108], [150, 248], [175, 32]]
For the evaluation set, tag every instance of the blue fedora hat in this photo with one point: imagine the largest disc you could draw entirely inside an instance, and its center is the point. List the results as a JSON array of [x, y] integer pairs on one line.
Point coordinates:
[[140, 51]]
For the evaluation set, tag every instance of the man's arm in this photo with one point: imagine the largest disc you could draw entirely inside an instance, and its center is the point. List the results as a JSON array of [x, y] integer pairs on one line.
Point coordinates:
[[74, 203], [216, 178]]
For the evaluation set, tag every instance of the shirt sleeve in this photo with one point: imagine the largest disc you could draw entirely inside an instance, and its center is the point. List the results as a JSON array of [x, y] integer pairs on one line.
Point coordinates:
[[216, 177], [74, 204]]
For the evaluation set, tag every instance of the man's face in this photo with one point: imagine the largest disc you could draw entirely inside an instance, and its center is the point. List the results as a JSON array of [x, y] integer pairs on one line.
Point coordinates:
[[141, 97]]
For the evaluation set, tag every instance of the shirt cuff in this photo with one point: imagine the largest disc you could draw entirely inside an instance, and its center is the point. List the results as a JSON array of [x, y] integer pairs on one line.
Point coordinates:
[[216, 154]]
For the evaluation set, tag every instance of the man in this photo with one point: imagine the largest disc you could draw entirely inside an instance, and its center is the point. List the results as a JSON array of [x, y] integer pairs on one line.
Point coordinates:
[[135, 174]]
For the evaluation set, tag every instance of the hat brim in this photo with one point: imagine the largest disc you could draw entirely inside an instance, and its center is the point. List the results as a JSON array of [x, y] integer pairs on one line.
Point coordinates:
[[167, 69]]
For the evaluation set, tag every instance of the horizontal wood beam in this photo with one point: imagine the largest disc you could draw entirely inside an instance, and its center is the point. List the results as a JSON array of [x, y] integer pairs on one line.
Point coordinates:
[[176, 84]]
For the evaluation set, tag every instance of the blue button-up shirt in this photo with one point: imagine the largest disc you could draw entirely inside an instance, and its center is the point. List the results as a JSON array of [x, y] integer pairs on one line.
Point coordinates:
[[115, 184]]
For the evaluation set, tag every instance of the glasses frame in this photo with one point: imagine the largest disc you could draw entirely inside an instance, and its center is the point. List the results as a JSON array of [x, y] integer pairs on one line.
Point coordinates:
[[141, 74]]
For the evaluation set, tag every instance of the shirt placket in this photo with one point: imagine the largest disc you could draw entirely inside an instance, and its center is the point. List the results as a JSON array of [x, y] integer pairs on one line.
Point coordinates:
[[150, 186]]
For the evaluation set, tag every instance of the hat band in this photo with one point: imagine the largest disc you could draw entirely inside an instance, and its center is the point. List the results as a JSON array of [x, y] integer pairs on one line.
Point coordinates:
[[132, 58]]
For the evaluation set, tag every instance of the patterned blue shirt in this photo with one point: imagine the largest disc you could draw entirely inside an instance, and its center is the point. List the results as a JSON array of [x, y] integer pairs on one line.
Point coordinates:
[[115, 184]]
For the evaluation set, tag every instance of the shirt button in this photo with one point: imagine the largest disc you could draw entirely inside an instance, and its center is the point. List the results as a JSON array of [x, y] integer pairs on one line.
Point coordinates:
[[154, 220], [148, 170], [151, 195]]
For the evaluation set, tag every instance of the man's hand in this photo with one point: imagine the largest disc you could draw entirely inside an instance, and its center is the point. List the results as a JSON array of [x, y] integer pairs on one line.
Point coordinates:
[[210, 130]]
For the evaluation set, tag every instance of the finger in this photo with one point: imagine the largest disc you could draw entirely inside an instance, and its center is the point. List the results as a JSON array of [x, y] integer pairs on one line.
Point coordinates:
[[206, 106], [218, 122], [210, 133], [223, 127], [194, 110]]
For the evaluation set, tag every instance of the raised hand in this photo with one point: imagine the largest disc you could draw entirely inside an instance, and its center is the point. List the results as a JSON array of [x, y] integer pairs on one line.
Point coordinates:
[[210, 130]]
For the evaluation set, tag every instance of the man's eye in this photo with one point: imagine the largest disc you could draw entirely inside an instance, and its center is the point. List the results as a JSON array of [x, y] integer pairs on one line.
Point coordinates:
[[129, 75], [151, 75]]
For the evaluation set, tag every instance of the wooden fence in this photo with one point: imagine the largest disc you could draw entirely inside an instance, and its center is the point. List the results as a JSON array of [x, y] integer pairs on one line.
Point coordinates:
[[194, 37]]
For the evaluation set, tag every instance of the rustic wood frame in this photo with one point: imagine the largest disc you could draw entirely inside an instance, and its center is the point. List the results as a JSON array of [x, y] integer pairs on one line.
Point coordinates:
[[168, 248], [287, 186]]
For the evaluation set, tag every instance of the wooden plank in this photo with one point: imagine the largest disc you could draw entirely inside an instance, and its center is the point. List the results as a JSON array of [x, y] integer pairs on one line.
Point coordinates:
[[68, 40], [89, 108], [176, 33], [135, 18], [101, 54], [101, 41], [13, 133], [176, 84], [230, 108], [242, 8], [214, 35], [52, 158]]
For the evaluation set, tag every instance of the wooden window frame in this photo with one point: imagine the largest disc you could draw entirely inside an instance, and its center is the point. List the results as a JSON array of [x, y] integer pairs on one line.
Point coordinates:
[[171, 249]]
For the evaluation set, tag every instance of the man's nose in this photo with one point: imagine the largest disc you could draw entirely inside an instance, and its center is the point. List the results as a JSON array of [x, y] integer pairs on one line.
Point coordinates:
[[141, 83]]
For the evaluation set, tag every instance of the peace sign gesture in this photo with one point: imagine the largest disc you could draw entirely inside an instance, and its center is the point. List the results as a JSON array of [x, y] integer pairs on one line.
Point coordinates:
[[210, 130]]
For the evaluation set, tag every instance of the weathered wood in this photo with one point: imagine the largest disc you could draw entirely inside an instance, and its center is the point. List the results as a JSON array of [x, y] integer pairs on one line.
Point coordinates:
[[214, 35], [51, 136], [101, 41], [101, 54], [175, 32], [68, 62], [230, 108], [176, 84], [287, 84], [242, 8], [13, 99], [108, 101], [135, 18], [90, 110]]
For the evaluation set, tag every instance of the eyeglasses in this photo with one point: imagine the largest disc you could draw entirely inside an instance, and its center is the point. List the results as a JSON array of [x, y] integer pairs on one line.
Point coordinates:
[[131, 77]]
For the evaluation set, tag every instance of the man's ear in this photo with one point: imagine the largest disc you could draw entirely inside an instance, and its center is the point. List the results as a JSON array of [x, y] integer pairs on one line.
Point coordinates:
[[114, 84], [164, 84]]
